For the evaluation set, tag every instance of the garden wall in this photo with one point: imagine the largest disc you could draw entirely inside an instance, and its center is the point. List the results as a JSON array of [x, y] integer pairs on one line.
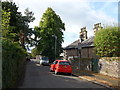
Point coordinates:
[[106, 65], [81, 64], [110, 66]]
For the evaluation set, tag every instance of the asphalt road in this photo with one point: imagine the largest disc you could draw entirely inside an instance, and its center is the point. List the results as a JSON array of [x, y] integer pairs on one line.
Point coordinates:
[[37, 76]]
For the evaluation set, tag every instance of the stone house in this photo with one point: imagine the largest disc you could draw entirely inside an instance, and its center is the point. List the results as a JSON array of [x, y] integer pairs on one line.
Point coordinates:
[[87, 48], [83, 47], [71, 51]]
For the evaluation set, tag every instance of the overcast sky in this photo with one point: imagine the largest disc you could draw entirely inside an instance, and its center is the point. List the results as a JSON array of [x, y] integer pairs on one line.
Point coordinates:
[[74, 13]]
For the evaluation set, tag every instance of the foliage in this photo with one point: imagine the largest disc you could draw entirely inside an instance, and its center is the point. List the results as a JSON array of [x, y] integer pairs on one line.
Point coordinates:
[[26, 32], [18, 24], [50, 26], [14, 15], [13, 58], [29, 56], [5, 23], [6, 33], [107, 41], [34, 52], [37, 36], [15, 33]]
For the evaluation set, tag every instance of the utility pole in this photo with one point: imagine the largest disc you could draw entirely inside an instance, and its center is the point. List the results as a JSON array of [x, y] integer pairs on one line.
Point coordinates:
[[55, 43], [79, 54]]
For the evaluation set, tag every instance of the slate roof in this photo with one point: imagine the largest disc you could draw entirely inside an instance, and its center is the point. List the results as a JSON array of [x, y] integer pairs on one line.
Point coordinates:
[[87, 43], [73, 45]]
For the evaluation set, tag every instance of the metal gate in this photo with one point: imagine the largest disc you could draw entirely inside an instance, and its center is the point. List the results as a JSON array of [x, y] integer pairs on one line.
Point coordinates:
[[95, 67]]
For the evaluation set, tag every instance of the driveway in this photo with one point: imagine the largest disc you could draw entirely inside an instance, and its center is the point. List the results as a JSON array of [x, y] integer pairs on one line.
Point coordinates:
[[37, 76]]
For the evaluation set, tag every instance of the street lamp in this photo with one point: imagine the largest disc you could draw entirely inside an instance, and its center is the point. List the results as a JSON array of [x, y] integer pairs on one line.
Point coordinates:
[[55, 43]]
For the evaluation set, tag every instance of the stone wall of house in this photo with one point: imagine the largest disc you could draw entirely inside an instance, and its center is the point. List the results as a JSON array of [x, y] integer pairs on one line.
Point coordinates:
[[84, 52], [110, 66], [88, 53], [72, 52]]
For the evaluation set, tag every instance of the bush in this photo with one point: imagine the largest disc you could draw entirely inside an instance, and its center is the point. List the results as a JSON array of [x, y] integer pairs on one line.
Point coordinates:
[[107, 42], [13, 58]]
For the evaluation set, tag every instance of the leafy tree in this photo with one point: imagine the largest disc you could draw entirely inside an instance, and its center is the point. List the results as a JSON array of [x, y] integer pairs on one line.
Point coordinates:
[[34, 52], [18, 23], [14, 28], [37, 36], [5, 23], [50, 26], [26, 32], [107, 42], [14, 16]]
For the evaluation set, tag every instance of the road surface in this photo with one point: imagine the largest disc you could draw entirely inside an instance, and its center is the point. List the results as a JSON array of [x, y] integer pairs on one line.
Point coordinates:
[[37, 76]]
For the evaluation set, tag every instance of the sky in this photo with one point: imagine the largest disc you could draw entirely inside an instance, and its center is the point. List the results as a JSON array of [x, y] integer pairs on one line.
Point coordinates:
[[74, 13]]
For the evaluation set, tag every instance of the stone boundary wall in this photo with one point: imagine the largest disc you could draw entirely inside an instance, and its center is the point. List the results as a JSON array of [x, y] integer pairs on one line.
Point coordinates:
[[110, 66], [106, 65], [81, 64]]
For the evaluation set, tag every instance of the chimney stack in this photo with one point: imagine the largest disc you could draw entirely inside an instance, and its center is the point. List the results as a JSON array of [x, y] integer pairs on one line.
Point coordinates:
[[83, 34], [97, 27]]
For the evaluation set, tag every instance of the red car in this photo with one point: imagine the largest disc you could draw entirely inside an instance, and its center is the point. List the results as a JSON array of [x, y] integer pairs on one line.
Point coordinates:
[[61, 66]]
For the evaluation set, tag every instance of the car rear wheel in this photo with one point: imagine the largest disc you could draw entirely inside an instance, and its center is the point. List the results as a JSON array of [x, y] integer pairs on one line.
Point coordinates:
[[70, 74]]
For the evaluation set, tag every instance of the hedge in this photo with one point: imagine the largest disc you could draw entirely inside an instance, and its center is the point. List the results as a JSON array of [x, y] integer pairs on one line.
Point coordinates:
[[13, 58]]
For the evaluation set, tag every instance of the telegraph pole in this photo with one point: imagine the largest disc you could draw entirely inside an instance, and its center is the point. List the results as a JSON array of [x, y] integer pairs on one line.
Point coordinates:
[[55, 43]]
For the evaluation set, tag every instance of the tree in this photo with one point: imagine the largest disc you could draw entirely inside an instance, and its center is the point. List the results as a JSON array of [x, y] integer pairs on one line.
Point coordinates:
[[26, 32], [18, 24], [107, 41], [34, 52], [13, 55], [50, 26], [5, 23], [14, 15]]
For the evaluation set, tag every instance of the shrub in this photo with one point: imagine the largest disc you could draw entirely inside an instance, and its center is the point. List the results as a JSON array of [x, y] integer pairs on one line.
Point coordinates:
[[13, 58], [107, 42]]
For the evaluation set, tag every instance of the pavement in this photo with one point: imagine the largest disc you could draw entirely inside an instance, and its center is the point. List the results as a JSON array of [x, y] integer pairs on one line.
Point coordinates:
[[104, 80]]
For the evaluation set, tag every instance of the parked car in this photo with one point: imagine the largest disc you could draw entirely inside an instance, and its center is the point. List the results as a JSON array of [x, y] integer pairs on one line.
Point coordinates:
[[44, 61], [61, 66]]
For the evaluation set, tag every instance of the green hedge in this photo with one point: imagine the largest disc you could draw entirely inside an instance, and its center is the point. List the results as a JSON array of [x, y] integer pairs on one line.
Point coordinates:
[[107, 42], [13, 58]]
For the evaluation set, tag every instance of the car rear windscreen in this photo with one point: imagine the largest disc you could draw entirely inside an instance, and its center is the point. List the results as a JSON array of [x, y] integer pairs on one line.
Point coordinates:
[[64, 63]]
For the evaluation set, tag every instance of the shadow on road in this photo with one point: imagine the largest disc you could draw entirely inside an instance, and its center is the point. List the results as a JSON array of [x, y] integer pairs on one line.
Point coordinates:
[[64, 74]]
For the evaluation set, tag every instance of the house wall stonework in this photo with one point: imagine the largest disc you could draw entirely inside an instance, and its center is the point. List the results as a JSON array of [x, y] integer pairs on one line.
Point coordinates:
[[70, 54], [88, 53], [84, 53]]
